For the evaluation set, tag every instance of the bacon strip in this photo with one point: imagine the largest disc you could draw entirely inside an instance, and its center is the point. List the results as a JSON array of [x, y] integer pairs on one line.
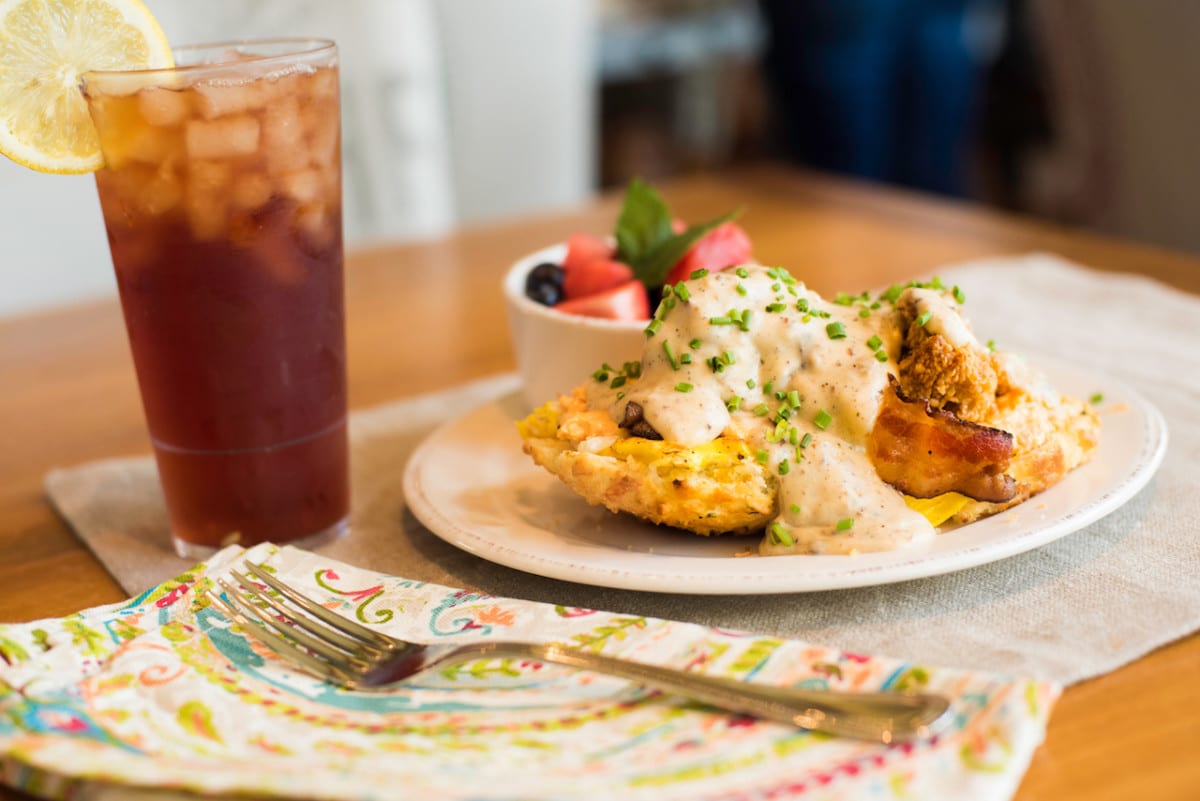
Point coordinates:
[[925, 452]]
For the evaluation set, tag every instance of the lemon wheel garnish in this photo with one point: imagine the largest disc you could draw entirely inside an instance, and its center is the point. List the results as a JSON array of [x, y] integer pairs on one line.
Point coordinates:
[[45, 46]]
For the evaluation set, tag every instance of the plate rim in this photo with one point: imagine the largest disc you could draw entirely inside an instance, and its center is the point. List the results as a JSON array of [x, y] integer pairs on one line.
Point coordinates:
[[1153, 440]]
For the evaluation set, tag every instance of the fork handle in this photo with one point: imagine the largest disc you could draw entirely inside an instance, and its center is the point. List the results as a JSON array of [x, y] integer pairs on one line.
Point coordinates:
[[880, 717]]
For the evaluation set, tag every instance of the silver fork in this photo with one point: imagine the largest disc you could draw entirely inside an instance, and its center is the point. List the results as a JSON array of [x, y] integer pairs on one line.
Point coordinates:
[[341, 651]]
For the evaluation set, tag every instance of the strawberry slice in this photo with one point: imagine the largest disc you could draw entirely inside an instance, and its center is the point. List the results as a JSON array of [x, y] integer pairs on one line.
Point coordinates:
[[723, 246], [594, 277], [582, 249], [628, 301]]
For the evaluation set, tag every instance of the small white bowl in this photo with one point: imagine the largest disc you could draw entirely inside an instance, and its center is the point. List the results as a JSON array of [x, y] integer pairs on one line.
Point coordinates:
[[555, 351]]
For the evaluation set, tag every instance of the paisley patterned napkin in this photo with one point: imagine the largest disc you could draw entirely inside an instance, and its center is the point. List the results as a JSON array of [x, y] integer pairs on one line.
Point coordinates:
[[162, 692]]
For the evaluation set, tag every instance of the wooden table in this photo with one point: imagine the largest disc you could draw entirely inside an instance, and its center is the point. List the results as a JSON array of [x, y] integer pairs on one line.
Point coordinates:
[[68, 395]]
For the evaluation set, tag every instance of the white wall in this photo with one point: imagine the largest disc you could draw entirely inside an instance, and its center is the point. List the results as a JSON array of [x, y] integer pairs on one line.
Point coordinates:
[[52, 243]]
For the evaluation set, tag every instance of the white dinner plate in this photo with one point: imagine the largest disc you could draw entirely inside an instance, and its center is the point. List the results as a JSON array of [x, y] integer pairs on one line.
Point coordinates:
[[471, 485]]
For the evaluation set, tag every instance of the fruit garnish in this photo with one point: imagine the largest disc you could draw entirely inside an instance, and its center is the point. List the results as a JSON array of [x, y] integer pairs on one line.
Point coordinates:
[[646, 239], [583, 249], [45, 47], [723, 246], [626, 302], [597, 276], [544, 284]]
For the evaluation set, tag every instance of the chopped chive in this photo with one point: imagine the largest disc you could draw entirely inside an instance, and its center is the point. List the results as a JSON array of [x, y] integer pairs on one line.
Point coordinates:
[[727, 357], [779, 535], [751, 383], [667, 305], [741, 290], [685, 358], [864, 313], [793, 435], [742, 272], [784, 412], [924, 318], [667, 349], [734, 403], [620, 396], [775, 287], [805, 440], [836, 331], [617, 382], [959, 295], [784, 467], [775, 308], [761, 457], [600, 375], [724, 320], [936, 283], [845, 524], [874, 306], [793, 399], [632, 369], [991, 345], [893, 293], [652, 329], [683, 386], [822, 419], [794, 508], [874, 343], [761, 410], [695, 343], [1097, 397], [745, 322], [824, 315], [802, 305], [881, 356], [806, 318], [698, 273], [768, 387], [682, 292]]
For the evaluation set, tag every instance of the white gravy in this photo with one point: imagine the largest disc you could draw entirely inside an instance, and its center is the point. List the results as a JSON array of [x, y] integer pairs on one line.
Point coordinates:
[[791, 362]]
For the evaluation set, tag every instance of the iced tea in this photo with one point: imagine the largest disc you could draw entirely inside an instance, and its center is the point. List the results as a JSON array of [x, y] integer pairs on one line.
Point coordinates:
[[222, 199]]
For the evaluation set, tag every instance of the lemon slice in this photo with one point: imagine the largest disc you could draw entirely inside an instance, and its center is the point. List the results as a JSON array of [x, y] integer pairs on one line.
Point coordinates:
[[45, 46]]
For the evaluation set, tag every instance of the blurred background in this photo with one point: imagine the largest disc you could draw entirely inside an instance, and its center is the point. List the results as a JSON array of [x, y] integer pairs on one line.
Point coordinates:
[[461, 112]]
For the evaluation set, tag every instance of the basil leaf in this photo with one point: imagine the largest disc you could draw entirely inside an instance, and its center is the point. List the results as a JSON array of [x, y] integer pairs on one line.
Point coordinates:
[[644, 224], [653, 268]]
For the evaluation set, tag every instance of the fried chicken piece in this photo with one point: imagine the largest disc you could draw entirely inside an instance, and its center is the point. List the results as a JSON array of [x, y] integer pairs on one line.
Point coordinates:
[[961, 379]]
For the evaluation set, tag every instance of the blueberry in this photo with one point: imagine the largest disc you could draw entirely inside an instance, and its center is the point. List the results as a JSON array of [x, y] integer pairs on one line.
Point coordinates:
[[544, 284]]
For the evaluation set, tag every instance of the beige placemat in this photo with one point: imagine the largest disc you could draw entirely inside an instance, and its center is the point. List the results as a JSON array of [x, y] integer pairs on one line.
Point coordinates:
[[1076, 608]]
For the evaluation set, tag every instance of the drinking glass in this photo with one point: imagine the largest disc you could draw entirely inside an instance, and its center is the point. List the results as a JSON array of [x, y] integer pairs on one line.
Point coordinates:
[[221, 194]]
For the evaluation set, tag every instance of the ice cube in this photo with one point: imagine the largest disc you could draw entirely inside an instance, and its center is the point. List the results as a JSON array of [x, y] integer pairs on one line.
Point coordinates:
[[283, 137], [207, 214], [303, 186], [323, 140], [140, 144], [323, 83], [210, 177], [219, 99], [251, 191], [163, 106], [316, 222], [223, 138], [160, 194]]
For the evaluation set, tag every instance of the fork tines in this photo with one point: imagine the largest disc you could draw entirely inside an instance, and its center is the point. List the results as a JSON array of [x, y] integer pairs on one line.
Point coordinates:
[[317, 639]]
